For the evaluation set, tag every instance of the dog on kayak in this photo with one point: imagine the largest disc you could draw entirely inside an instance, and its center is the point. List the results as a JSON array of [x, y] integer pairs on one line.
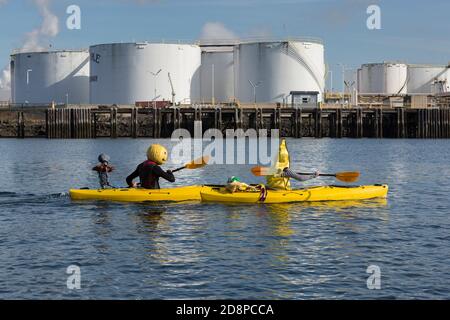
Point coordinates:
[[234, 184], [103, 168]]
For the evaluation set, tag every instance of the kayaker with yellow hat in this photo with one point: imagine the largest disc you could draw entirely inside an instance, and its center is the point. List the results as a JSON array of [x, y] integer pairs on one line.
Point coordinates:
[[150, 171]]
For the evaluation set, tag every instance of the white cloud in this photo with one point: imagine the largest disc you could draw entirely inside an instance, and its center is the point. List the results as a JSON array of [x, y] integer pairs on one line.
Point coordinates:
[[217, 31], [50, 23], [5, 84], [260, 32], [5, 78], [34, 40]]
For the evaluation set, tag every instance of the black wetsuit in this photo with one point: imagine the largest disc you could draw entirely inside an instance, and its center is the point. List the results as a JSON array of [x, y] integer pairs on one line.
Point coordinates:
[[149, 174]]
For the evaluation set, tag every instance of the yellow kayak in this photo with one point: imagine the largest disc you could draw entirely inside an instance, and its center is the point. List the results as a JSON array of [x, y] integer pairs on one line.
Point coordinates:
[[138, 195], [220, 194], [320, 193]]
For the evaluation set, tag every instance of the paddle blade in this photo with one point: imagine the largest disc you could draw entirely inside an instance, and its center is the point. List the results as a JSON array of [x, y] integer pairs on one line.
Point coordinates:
[[348, 176], [262, 171], [197, 163]]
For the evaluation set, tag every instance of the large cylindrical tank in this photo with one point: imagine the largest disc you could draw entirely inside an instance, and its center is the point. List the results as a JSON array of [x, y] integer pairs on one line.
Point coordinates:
[[384, 78], [277, 68], [217, 70], [123, 73], [43, 77], [428, 79]]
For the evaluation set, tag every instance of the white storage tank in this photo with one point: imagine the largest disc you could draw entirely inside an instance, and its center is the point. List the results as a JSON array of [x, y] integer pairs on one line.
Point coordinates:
[[384, 78], [44, 77], [428, 79], [217, 70], [277, 68], [123, 73]]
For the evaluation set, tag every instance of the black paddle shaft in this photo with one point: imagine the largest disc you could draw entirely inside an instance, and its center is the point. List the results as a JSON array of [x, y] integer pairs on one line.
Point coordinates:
[[179, 169], [320, 174]]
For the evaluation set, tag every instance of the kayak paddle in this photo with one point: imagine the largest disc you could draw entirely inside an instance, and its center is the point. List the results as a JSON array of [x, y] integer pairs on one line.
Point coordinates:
[[197, 163], [341, 176]]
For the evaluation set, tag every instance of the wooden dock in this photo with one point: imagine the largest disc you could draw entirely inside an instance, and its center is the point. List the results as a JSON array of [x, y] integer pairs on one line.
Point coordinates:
[[133, 122]]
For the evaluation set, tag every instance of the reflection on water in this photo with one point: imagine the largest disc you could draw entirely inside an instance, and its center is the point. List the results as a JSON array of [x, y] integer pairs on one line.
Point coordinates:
[[152, 217], [158, 225], [281, 216], [194, 250], [353, 204]]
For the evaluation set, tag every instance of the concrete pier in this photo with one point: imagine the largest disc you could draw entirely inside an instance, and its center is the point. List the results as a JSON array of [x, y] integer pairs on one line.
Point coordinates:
[[135, 122]]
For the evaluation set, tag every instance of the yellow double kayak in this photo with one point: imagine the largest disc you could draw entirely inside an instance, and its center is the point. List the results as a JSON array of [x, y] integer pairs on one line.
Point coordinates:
[[220, 194], [321, 193]]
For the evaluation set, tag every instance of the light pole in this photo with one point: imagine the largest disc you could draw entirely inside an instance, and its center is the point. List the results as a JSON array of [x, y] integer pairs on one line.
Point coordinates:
[[343, 76], [212, 86], [155, 74], [255, 85], [343, 82], [331, 79]]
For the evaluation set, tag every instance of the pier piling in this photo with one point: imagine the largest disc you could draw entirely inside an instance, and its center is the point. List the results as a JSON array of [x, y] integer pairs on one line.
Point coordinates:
[[135, 122]]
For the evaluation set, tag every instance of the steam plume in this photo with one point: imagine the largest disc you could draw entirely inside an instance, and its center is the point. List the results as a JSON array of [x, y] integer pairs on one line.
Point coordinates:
[[34, 41]]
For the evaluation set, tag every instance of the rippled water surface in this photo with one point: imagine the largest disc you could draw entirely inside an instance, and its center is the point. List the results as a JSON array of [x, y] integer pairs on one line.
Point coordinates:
[[193, 250]]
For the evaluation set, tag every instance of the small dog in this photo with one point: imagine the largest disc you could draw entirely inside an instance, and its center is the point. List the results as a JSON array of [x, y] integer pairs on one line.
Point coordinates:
[[103, 168]]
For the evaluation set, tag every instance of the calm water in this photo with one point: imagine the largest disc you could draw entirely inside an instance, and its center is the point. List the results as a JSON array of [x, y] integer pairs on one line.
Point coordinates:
[[192, 250]]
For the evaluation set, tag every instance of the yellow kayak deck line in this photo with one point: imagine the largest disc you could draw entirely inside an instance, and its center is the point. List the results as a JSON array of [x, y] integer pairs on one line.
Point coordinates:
[[220, 194]]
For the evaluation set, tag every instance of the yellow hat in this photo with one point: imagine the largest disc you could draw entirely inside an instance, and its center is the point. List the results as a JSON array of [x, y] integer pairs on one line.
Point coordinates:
[[157, 153]]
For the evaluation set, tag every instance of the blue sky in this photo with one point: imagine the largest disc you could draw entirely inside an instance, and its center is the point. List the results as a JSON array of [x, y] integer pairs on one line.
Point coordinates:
[[414, 31]]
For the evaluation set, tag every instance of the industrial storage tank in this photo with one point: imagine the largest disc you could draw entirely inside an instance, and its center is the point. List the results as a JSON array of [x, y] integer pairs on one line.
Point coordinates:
[[274, 69], [124, 73], [50, 76], [428, 79], [217, 74], [384, 78]]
